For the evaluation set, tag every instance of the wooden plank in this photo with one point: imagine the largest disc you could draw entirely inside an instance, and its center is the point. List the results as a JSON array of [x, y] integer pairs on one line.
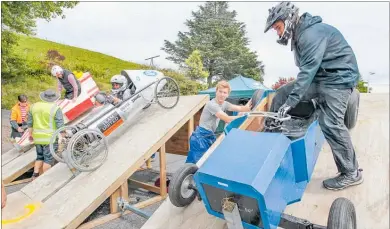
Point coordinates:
[[9, 156], [15, 215], [371, 141], [192, 216], [179, 144], [18, 166], [83, 194], [48, 183], [163, 172]]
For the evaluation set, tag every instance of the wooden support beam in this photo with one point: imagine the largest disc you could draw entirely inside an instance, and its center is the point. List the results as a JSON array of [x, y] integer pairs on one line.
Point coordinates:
[[190, 126], [163, 172], [125, 191], [146, 186], [107, 218], [113, 200], [122, 191], [18, 182]]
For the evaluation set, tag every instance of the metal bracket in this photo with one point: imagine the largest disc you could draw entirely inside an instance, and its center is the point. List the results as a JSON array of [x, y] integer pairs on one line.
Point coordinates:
[[124, 205], [231, 215]]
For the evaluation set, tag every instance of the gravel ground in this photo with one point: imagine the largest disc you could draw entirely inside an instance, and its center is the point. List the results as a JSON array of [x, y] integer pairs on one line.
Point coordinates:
[[129, 221]]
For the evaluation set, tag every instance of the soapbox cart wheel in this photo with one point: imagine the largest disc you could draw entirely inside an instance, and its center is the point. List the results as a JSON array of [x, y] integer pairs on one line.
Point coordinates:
[[59, 142], [87, 150], [167, 92], [352, 112], [181, 188], [342, 215]]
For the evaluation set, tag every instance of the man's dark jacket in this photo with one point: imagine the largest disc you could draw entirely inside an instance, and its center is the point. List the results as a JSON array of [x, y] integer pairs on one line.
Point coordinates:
[[323, 56]]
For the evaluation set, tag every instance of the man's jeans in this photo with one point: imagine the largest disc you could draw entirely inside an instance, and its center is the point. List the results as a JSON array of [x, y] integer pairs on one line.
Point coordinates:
[[333, 105]]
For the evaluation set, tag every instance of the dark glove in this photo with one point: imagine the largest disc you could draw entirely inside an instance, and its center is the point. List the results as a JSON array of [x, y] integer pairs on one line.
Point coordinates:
[[283, 110]]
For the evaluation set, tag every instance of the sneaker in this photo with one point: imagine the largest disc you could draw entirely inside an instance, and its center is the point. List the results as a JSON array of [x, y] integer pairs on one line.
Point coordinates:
[[343, 180]]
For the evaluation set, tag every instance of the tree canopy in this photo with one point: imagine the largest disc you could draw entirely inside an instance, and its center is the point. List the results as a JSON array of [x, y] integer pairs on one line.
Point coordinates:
[[221, 41]]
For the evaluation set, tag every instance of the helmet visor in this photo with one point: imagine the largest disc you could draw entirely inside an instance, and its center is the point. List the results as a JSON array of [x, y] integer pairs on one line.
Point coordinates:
[[116, 85]]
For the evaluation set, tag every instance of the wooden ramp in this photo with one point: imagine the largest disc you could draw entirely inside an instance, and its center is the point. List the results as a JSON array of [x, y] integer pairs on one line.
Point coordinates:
[[15, 163], [48, 203], [371, 199]]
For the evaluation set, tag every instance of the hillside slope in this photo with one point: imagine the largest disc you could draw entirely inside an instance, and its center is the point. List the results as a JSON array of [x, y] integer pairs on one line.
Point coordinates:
[[34, 53]]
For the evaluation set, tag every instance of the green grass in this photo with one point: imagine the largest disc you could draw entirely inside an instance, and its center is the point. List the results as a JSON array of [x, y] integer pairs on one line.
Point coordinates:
[[102, 67]]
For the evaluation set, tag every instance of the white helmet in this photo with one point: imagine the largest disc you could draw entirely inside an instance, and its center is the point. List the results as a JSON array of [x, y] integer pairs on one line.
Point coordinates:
[[56, 69], [121, 80]]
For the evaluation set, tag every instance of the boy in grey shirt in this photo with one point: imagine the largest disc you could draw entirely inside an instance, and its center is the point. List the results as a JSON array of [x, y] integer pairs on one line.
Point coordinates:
[[214, 111], [208, 119]]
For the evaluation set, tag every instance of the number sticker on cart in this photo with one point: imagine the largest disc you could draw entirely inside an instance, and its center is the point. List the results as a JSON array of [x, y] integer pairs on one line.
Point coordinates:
[[110, 124]]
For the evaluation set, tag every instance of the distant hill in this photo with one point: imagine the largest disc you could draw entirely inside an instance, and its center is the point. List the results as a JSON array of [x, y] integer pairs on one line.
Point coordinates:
[[102, 67]]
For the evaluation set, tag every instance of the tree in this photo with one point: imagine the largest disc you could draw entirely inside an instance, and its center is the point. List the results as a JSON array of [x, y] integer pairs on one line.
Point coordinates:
[[221, 42], [362, 87], [195, 66], [282, 81], [19, 17]]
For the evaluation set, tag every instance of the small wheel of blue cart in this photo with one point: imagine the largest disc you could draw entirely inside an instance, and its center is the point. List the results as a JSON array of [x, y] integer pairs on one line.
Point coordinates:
[[342, 215], [182, 186], [352, 112]]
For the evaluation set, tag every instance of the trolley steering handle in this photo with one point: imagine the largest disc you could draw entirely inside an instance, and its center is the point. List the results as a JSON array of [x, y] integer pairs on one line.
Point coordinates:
[[272, 115]]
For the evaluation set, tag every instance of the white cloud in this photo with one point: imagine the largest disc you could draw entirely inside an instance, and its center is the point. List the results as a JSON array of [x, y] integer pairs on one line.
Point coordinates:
[[136, 30]]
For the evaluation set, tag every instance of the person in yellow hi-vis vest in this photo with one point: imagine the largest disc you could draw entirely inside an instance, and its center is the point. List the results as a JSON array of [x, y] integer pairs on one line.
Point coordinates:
[[44, 118]]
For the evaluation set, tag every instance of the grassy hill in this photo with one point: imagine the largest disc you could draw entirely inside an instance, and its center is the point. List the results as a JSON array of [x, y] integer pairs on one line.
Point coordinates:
[[34, 53]]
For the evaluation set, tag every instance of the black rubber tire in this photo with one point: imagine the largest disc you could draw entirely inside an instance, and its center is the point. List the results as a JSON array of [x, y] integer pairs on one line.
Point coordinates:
[[342, 215], [256, 97], [174, 189], [351, 114]]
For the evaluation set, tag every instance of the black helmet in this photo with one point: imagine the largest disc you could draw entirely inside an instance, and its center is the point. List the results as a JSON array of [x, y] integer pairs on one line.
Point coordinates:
[[286, 12]]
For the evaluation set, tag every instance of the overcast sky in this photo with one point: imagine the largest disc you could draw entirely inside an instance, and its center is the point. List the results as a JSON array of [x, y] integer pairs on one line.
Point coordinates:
[[134, 31]]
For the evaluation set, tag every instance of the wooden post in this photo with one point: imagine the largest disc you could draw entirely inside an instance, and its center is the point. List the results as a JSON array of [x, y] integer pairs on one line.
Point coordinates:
[[190, 127], [163, 172], [122, 191], [125, 191], [113, 200]]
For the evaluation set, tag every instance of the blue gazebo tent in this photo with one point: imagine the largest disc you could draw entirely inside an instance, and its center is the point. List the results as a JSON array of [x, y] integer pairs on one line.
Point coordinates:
[[242, 87]]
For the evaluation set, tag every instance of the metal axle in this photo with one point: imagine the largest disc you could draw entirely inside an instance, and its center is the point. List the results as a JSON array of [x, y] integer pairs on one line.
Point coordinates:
[[124, 205]]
